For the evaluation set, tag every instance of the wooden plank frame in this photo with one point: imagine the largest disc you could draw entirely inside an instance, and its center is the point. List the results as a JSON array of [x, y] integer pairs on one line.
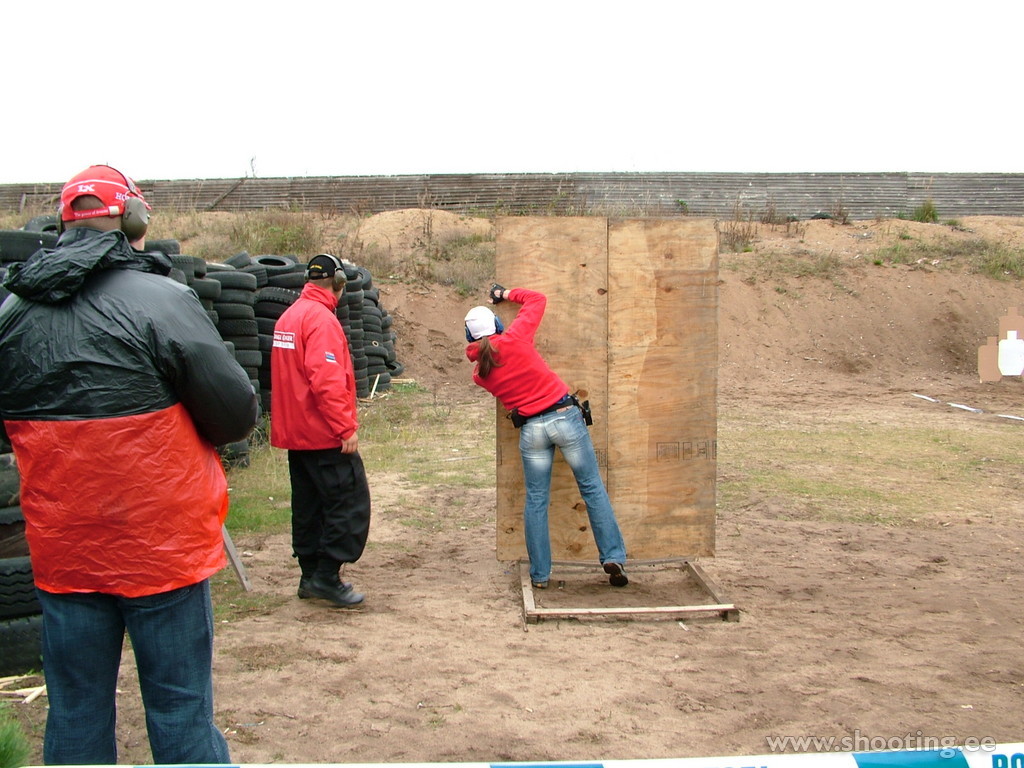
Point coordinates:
[[718, 606]]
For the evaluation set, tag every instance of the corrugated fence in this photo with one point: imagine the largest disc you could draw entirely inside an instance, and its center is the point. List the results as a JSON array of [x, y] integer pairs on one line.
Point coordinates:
[[717, 195]]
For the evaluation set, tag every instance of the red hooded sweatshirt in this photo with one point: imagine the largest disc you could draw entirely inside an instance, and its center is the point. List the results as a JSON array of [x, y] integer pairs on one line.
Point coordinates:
[[521, 379]]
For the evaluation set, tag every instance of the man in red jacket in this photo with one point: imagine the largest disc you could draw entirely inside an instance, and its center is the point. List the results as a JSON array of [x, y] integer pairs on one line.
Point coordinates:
[[114, 389], [313, 417]]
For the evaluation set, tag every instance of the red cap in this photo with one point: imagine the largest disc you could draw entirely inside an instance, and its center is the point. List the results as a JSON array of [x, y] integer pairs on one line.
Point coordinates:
[[108, 184]]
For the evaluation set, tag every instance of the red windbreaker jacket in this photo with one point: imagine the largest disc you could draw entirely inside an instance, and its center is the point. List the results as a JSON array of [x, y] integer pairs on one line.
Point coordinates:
[[312, 382], [522, 379]]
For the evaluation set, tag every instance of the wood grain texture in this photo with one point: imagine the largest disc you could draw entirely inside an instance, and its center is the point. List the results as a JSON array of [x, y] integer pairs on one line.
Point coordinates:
[[631, 325]]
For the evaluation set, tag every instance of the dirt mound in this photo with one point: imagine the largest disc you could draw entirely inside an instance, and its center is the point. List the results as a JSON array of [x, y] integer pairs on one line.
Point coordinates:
[[407, 231], [856, 324]]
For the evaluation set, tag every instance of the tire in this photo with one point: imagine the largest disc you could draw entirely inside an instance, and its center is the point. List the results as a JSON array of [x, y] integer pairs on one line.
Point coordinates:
[[376, 350], [12, 533], [239, 260], [277, 265], [18, 245], [235, 454], [230, 311], [207, 288], [243, 342], [10, 481], [237, 327], [234, 278], [270, 309], [186, 264], [293, 280], [45, 223], [17, 590], [167, 246], [260, 273], [284, 296], [249, 358], [238, 295], [21, 645]]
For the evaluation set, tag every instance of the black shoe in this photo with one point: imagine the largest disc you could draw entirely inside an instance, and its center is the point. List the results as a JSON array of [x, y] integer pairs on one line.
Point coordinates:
[[616, 574], [539, 584], [335, 591], [304, 592]]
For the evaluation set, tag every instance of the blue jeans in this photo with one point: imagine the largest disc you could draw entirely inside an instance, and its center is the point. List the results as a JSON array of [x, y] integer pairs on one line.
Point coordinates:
[[537, 440], [172, 638]]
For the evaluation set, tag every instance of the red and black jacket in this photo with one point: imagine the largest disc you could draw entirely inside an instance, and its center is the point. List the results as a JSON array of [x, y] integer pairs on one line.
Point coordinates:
[[114, 389]]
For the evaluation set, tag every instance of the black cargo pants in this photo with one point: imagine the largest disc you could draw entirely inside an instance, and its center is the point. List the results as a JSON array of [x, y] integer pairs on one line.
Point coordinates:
[[330, 505]]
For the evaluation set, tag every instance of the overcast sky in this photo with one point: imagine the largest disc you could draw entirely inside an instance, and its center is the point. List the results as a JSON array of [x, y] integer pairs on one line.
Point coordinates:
[[185, 89]]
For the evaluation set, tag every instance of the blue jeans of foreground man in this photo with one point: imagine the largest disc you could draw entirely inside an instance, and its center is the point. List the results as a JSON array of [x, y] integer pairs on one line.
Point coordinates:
[[172, 638], [537, 440]]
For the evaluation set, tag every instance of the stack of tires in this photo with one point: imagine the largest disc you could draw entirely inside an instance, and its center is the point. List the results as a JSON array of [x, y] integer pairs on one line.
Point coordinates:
[[20, 613], [21, 618], [366, 324], [351, 320], [378, 339]]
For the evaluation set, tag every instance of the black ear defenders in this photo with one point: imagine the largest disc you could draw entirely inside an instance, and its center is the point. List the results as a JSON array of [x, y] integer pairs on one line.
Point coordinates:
[[319, 271]]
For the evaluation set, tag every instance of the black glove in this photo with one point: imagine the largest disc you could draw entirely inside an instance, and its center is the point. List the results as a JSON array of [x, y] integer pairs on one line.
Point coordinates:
[[495, 290]]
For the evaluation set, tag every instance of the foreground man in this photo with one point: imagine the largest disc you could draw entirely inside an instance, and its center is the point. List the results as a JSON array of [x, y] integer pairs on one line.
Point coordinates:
[[115, 388]]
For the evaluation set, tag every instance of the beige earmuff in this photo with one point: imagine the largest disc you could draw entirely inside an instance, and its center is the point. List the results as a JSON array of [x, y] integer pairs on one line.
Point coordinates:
[[135, 219], [339, 278]]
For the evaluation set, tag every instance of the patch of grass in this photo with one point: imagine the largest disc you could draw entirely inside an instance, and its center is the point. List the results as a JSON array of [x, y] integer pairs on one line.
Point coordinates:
[[215, 236], [737, 236], [277, 232], [399, 434], [14, 746], [926, 212], [976, 255], [260, 493], [402, 432], [839, 470], [824, 266], [232, 603]]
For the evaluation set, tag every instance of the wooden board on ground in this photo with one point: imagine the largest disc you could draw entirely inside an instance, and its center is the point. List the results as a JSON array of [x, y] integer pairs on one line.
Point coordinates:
[[658, 590], [631, 323]]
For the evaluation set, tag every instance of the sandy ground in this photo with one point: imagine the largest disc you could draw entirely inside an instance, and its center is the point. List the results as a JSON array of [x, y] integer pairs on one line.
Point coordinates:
[[855, 630]]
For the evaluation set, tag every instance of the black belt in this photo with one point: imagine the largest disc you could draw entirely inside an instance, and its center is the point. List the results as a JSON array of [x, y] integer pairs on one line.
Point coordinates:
[[567, 400]]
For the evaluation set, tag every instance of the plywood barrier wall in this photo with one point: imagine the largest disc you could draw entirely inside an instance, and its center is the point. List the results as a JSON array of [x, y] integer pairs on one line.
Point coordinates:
[[631, 324]]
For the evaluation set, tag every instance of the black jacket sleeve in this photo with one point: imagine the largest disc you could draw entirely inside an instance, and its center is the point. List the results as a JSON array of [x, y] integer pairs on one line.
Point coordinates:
[[205, 376]]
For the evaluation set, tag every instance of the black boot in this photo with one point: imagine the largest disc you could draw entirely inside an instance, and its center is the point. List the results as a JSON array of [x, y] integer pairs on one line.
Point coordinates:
[[307, 564], [327, 585]]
